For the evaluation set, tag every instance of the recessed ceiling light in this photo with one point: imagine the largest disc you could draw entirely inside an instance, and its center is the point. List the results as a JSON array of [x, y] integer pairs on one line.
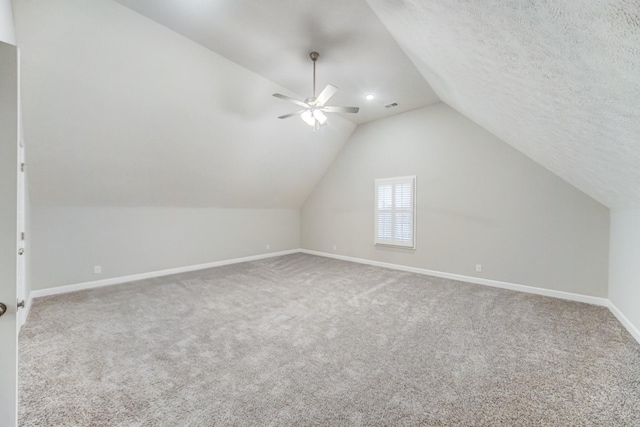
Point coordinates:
[[369, 97]]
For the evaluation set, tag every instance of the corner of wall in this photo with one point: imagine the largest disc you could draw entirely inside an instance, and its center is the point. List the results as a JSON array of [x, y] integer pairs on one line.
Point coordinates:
[[7, 29], [624, 268]]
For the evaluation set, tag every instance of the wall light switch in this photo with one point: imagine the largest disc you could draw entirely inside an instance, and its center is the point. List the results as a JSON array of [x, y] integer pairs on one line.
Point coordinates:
[[268, 246], [97, 269], [479, 268], [335, 247]]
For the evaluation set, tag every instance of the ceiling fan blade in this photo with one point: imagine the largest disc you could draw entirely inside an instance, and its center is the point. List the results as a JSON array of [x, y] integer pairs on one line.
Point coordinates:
[[292, 114], [287, 98], [331, 109], [326, 93]]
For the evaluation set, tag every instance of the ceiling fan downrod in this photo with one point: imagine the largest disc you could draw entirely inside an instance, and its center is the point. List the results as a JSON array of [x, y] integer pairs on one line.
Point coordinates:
[[314, 108], [314, 57]]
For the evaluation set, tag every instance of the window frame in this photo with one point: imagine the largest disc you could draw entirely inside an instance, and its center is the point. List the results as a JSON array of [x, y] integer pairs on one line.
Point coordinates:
[[393, 242]]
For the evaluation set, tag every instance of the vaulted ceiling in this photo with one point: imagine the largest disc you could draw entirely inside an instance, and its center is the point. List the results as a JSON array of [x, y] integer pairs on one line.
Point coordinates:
[[122, 110], [274, 38], [559, 80]]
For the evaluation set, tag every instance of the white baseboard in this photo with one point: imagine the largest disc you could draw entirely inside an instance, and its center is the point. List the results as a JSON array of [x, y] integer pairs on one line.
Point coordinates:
[[124, 279], [625, 322], [469, 279], [635, 333]]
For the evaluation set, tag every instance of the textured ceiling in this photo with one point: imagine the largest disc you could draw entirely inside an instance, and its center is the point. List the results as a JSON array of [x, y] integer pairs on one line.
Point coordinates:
[[274, 38], [121, 111], [559, 81], [110, 93]]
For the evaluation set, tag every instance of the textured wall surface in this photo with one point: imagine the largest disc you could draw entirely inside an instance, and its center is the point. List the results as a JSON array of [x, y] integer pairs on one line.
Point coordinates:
[[560, 81]]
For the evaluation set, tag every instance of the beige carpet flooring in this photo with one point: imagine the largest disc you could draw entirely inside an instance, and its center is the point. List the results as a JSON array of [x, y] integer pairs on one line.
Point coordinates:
[[303, 340]]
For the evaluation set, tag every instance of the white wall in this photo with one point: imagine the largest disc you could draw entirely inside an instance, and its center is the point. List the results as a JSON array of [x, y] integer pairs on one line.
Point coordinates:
[[624, 264], [7, 33], [68, 242], [558, 80], [479, 201], [121, 111]]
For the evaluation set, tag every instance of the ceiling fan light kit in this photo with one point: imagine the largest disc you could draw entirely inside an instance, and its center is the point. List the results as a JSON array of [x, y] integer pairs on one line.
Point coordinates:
[[314, 110]]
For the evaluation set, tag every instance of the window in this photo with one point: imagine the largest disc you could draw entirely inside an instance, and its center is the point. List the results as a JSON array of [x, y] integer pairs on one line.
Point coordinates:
[[395, 212]]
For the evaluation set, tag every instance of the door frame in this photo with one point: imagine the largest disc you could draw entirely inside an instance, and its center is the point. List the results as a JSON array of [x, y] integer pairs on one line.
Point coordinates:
[[21, 239], [9, 171]]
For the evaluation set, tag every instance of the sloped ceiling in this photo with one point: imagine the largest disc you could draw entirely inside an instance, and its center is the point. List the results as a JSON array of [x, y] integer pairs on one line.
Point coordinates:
[[274, 38], [559, 81], [121, 111]]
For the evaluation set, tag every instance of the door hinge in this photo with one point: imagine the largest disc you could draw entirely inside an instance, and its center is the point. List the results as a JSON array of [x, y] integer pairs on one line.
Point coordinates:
[[21, 167]]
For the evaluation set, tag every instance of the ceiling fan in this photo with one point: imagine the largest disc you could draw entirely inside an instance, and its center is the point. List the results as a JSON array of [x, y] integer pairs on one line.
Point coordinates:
[[314, 107]]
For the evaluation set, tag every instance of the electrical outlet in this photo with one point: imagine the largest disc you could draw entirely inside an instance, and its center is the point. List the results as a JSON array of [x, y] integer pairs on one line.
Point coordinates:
[[97, 269], [268, 246], [479, 268]]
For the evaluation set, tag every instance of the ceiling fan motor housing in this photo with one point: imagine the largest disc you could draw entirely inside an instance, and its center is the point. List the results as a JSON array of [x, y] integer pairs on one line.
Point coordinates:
[[314, 107]]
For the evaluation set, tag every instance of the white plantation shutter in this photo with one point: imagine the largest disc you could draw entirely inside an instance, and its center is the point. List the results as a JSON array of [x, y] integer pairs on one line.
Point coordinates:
[[395, 211]]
